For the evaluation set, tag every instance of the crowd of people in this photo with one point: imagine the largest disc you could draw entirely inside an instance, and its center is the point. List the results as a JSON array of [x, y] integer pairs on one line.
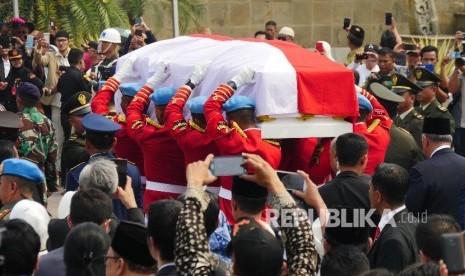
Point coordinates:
[[139, 195]]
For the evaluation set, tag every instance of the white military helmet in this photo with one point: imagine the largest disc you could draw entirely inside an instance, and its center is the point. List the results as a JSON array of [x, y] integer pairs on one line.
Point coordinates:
[[110, 35]]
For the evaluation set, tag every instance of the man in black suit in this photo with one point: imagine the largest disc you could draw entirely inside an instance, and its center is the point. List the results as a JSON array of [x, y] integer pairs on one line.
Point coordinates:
[[129, 253], [435, 184], [394, 246], [350, 186], [91, 205], [161, 231], [428, 236]]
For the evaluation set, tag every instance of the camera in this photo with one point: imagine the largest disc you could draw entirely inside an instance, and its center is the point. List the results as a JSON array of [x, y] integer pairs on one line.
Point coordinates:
[[459, 62], [361, 56]]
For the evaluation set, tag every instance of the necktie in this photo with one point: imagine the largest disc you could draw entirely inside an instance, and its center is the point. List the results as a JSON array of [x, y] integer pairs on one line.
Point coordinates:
[[377, 232]]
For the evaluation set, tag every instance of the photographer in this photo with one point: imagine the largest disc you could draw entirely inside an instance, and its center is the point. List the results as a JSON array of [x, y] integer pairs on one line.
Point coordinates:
[[370, 65], [140, 36], [386, 68], [456, 88]]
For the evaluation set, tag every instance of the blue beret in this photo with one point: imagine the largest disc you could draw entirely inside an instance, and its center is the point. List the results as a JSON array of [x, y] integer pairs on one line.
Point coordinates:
[[22, 168], [100, 84], [130, 89], [195, 105], [163, 95], [98, 124], [364, 103], [238, 102], [28, 90]]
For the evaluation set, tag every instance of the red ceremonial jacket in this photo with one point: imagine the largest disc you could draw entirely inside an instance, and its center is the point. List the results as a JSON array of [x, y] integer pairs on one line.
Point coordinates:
[[125, 147]]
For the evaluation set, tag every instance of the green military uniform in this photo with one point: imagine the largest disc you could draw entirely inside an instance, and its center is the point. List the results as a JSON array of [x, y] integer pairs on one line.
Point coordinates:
[[74, 150], [6, 210], [402, 149], [37, 143], [434, 109], [413, 123]]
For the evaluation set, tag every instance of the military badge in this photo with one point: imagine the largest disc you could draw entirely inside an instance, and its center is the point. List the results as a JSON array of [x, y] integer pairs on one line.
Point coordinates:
[[82, 99]]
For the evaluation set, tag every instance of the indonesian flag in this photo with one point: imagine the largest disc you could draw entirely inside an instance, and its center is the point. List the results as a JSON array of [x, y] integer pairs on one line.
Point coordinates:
[[290, 80]]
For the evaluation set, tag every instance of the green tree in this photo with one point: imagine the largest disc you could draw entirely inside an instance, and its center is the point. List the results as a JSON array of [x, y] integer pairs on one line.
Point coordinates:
[[83, 19], [190, 13]]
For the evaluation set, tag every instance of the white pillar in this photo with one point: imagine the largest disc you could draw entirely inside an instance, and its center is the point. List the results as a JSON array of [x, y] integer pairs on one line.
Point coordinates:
[[15, 8], [175, 19]]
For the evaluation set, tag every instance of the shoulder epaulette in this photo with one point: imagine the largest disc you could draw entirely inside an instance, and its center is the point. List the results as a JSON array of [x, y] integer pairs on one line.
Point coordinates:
[[274, 143], [4, 213], [72, 137], [153, 123], [418, 116], [121, 118], [196, 127], [406, 131], [239, 129], [373, 125], [442, 108], [76, 166]]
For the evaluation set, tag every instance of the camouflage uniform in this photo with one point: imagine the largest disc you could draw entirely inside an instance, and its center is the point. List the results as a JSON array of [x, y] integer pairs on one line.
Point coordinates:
[[37, 143]]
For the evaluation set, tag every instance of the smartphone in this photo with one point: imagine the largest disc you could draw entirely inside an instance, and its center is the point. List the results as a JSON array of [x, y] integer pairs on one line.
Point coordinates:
[[52, 24], [346, 23], [292, 181], [29, 42], [453, 252], [228, 165], [138, 32], [388, 19], [361, 56], [429, 67], [137, 21], [47, 37], [122, 169], [409, 47], [319, 47]]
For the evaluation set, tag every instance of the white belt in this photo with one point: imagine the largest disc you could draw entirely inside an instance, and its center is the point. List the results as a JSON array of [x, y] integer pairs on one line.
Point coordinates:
[[167, 188], [225, 193], [215, 190]]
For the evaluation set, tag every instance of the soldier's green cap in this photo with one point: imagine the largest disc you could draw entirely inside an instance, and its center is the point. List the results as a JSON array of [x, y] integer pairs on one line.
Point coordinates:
[[381, 91], [78, 104], [425, 78], [400, 84]]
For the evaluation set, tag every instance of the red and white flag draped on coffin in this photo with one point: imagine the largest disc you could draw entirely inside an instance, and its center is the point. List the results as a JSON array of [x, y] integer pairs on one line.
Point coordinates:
[[289, 79]]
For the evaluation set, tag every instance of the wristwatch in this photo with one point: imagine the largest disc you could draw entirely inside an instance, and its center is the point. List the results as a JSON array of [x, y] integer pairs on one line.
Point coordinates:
[[190, 84], [232, 85]]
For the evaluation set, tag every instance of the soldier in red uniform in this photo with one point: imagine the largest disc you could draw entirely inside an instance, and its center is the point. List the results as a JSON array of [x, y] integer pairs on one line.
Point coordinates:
[[163, 159], [125, 147], [310, 155], [190, 134], [374, 124], [240, 134]]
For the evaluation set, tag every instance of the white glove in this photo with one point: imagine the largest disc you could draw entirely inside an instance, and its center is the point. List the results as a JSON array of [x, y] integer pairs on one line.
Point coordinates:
[[159, 76], [126, 70], [200, 72], [246, 76]]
